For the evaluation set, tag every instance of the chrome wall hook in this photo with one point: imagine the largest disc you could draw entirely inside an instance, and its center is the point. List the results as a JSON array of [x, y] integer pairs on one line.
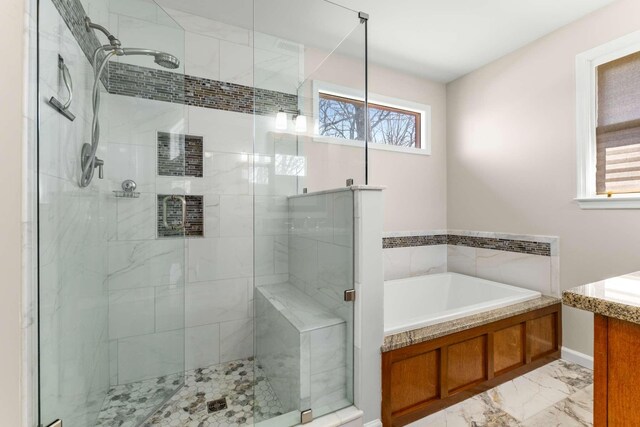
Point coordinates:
[[66, 78]]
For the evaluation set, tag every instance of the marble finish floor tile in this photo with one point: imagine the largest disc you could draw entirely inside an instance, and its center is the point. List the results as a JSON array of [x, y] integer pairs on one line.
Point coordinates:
[[529, 394], [559, 394], [576, 410], [229, 394], [476, 411]]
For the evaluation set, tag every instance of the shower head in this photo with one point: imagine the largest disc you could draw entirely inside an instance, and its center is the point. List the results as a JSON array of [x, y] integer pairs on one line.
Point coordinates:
[[166, 60], [163, 59]]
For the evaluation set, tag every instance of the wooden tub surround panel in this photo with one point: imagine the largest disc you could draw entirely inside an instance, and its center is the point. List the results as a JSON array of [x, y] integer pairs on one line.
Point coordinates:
[[420, 379]]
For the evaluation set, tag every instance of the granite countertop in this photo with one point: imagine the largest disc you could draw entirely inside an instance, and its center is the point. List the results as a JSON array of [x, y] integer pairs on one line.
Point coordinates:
[[618, 297], [404, 339]]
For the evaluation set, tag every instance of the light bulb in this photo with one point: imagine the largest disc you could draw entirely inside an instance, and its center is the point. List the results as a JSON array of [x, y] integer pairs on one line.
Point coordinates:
[[301, 123], [281, 120]]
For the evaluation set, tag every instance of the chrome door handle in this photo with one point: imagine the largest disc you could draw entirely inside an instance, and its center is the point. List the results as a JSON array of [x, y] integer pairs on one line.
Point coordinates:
[[68, 83], [183, 201]]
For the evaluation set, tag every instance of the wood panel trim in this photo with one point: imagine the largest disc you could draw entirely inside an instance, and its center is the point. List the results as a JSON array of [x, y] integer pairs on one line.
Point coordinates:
[[444, 368], [447, 398], [527, 342], [386, 391], [423, 347], [490, 356], [421, 411], [600, 366]]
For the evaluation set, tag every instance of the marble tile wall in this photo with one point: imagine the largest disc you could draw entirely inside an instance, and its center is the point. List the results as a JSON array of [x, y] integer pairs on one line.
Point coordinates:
[[530, 262], [414, 261], [225, 67], [254, 72], [154, 282], [208, 279], [321, 266], [321, 247], [73, 231]]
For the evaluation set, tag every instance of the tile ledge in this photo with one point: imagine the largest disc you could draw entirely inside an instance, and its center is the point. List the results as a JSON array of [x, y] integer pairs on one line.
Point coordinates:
[[353, 188]]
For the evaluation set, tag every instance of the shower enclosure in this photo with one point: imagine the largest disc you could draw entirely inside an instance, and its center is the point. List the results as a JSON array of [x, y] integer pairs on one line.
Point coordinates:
[[202, 274]]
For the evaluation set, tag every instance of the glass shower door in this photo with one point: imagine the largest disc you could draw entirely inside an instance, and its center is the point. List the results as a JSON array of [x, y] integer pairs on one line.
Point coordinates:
[[111, 278], [303, 216]]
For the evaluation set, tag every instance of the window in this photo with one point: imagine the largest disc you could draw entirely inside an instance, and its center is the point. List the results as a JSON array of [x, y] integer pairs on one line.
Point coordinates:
[[394, 124], [618, 126], [608, 120], [342, 117]]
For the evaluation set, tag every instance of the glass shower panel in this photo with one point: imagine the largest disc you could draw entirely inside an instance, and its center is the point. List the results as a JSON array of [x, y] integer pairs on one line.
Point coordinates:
[[334, 141], [303, 216], [111, 283]]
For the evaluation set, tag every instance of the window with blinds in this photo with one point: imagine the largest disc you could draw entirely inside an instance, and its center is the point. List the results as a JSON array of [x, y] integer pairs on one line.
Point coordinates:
[[618, 126]]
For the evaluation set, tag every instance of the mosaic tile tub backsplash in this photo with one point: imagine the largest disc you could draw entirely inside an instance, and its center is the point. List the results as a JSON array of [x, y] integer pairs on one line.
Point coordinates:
[[527, 261], [474, 241]]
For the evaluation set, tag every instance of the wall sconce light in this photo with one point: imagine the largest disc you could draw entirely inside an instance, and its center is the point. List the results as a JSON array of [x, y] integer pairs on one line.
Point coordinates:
[[301, 123], [281, 120]]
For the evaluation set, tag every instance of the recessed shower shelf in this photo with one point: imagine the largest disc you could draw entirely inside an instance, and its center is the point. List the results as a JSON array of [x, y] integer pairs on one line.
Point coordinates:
[[126, 194]]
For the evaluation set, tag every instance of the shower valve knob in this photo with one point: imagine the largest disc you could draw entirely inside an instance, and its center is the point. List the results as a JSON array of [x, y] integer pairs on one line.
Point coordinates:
[[99, 163]]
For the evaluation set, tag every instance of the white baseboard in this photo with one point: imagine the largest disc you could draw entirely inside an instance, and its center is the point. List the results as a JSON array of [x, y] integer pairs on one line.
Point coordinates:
[[374, 423], [577, 357]]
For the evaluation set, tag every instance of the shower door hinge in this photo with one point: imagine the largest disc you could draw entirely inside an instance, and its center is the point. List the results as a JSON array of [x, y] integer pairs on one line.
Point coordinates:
[[350, 295], [56, 423], [306, 416]]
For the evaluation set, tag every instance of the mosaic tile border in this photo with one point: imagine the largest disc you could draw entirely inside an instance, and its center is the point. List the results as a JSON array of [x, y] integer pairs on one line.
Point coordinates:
[[73, 15], [146, 83], [412, 241], [500, 244], [509, 245], [160, 85]]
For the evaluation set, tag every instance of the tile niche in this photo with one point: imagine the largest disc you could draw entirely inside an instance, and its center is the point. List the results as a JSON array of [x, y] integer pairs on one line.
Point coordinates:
[[180, 155]]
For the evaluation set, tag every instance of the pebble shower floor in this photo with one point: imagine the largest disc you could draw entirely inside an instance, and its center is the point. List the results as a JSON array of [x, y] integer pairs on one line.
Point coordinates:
[[229, 394]]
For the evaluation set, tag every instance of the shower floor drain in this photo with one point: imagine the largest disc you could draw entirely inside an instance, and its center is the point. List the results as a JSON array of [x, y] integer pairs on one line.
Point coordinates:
[[217, 405]]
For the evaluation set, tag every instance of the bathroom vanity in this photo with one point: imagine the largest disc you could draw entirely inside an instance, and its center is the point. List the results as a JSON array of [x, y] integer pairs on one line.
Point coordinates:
[[616, 305]]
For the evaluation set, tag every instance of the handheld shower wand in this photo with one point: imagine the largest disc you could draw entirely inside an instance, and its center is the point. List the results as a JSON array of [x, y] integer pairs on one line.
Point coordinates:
[[88, 159]]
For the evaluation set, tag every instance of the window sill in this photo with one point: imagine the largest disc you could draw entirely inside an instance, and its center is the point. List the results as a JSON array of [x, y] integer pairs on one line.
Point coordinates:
[[603, 202], [381, 147]]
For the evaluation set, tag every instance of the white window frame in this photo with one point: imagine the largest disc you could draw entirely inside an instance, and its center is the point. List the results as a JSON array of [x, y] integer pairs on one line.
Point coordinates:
[[332, 89], [586, 123]]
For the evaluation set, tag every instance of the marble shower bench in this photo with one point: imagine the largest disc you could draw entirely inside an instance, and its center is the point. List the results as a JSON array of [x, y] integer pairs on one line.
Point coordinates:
[[302, 348]]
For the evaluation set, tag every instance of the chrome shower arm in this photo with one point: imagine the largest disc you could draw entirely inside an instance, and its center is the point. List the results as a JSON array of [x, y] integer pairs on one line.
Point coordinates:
[[90, 25]]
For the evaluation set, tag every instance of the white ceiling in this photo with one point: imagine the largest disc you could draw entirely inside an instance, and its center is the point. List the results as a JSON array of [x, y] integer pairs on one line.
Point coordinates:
[[437, 39], [445, 39]]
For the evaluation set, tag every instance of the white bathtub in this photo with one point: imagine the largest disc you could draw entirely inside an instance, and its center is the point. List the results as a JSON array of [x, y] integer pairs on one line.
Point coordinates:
[[426, 300]]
